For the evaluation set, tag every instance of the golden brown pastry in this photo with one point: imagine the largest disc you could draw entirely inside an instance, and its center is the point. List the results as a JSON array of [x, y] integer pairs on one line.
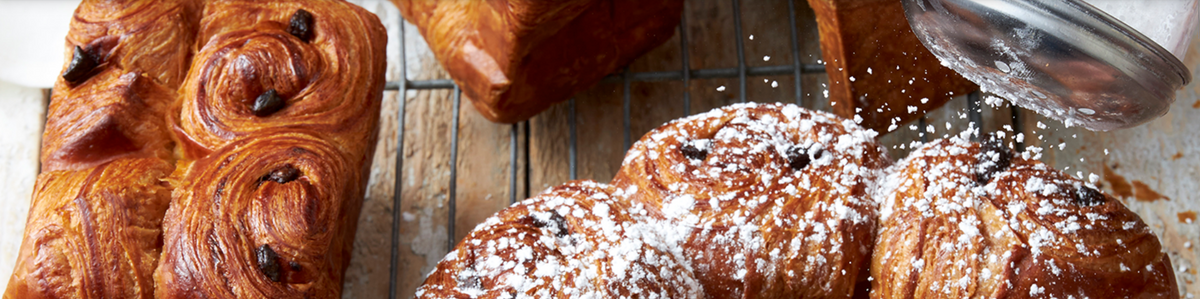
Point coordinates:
[[877, 67], [515, 58], [94, 226], [750, 200], [275, 115], [329, 80], [961, 220], [269, 217], [280, 113], [773, 200], [571, 241]]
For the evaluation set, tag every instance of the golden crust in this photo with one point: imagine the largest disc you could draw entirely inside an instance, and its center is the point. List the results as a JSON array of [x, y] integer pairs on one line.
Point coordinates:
[[227, 206], [93, 233], [515, 58], [1029, 231], [761, 228], [96, 225], [245, 50], [571, 241]]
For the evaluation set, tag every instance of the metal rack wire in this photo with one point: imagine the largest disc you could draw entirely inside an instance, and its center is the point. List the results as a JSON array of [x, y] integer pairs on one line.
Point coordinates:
[[625, 77]]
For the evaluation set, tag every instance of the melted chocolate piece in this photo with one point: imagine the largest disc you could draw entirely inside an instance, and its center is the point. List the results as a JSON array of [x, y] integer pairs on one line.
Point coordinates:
[[1086, 196], [556, 221], [301, 25], [268, 262], [798, 157], [267, 103], [81, 67], [282, 175], [689, 150], [993, 158]]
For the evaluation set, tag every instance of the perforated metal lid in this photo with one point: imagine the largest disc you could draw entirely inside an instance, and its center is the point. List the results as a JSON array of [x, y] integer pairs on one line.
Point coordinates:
[[1063, 58]]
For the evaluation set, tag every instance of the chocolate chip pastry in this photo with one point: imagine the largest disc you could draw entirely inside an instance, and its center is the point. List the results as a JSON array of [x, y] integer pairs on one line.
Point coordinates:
[[254, 121], [969, 220], [774, 201], [762, 201]]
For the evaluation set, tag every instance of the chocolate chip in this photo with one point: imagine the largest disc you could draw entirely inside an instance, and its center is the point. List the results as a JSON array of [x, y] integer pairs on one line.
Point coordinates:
[[690, 151], [799, 157], [267, 103], [295, 266], [1086, 196], [557, 221], [81, 66], [282, 175], [301, 25], [993, 158], [471, 282], [267, 262]]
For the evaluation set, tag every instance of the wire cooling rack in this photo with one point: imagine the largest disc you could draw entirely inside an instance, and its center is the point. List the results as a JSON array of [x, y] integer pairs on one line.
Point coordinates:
[[685, 74]]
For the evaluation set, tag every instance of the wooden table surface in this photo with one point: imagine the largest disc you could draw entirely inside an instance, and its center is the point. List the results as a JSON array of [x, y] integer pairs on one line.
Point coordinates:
[[1154, 167]]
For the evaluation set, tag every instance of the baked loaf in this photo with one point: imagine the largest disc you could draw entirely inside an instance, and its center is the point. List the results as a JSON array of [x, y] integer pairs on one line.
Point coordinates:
[[94, 226], [515, 58], [774, 201], [964, 220], [280, 114], [268, 115]]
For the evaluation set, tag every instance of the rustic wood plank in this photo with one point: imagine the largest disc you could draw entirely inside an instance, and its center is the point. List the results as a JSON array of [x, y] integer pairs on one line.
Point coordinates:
[[22, 120]]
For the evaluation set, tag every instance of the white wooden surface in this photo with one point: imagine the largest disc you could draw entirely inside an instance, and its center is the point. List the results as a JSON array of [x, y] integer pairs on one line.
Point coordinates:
[[22, 113]]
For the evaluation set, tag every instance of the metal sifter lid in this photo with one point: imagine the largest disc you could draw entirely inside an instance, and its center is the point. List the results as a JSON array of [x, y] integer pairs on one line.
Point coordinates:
[[1062, 58]]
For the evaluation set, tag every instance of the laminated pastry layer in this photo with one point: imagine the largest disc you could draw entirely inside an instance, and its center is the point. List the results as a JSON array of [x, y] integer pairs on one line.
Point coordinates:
[[772, 200], [261, 218], [572, 241], [311, 65], [515, 58], [965, 220], [94, 225]]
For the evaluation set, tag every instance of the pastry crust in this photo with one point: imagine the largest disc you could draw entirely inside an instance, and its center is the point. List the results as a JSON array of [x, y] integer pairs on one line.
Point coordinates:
[[774, 201], [762, 225], [94, 224], [515, 58], [571, 241], [229, 204], [963, 221], [150, 85]]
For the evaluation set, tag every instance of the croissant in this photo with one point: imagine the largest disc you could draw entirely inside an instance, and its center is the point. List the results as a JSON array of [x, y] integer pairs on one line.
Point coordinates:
[[774, 201], [964, 220], [515, 58], [269, 109]]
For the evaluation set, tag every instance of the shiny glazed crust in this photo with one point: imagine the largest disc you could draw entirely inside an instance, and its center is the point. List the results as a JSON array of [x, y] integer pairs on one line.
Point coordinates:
[[94, 224], [1029, 231], [117, 130], [515, 58]]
